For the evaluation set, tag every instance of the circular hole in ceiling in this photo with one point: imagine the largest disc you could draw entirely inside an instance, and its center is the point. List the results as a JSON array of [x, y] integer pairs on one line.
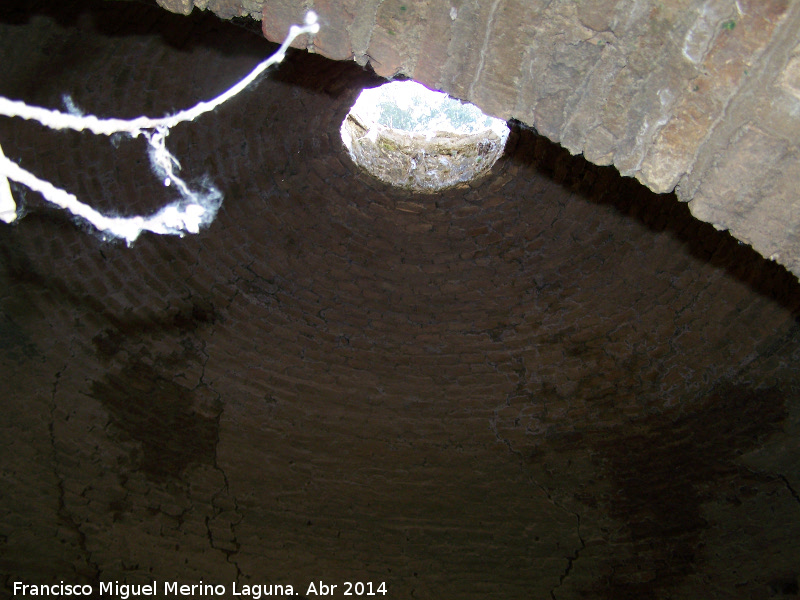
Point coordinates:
[[414, 138]]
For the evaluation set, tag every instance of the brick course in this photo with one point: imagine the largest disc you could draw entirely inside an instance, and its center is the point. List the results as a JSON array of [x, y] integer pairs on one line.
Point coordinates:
[[549, 381]]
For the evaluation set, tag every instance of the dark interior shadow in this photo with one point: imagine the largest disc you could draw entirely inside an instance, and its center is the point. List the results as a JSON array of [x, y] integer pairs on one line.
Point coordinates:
[[603, 185]]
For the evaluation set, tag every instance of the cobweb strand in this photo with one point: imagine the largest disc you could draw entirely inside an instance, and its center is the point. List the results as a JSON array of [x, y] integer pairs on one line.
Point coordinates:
[[194, 210]]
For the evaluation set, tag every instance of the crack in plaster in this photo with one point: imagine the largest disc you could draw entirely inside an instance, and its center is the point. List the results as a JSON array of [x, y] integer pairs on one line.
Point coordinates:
[[62, 511], [225, 489], [571, 560], [789, 487], [521, 372], [229, 554]]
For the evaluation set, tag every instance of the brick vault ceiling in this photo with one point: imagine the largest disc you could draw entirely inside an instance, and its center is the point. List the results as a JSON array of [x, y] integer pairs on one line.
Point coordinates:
[[551, 383]]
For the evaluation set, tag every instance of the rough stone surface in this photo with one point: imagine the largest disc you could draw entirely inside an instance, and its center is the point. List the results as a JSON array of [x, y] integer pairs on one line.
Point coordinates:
[[664, 91], [551, 384], [421, 162]]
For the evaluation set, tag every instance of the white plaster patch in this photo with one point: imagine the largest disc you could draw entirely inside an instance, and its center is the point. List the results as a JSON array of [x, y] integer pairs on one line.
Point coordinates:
[[706, 27]]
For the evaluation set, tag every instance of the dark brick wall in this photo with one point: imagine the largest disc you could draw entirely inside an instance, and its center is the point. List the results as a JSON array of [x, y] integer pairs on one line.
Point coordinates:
[[551, 383]]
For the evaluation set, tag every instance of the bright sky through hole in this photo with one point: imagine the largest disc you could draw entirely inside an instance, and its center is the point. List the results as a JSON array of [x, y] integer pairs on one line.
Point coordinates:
[[411, 107]]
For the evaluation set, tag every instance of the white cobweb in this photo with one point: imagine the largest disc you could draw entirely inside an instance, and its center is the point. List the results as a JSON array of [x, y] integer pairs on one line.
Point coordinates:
[[192, 211]]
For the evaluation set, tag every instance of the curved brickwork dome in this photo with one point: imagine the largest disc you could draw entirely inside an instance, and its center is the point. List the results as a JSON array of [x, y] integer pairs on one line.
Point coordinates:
[[546, 383]]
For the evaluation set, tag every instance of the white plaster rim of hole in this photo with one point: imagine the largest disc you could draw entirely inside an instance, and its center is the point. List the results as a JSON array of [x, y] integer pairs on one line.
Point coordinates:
[[415, 138]]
